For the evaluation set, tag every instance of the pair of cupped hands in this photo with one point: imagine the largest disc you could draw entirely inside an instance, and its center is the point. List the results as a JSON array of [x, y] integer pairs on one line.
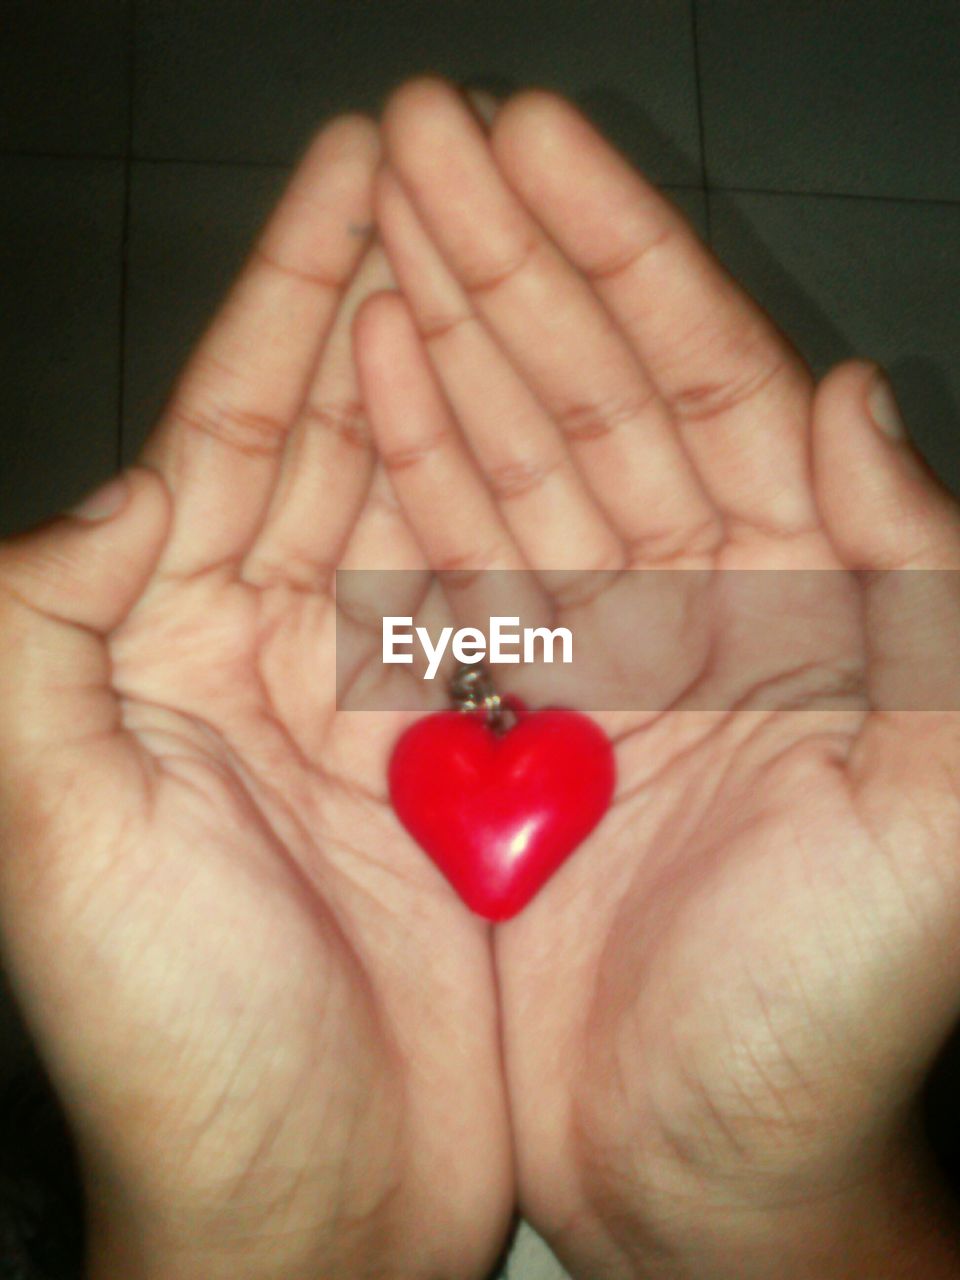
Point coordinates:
[[286, 1047]]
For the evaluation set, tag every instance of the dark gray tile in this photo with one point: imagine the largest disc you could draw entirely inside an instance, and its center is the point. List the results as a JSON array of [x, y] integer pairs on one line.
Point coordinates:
[[60, 242], [241, 81], [64, 76], [692, 203], [856, 277], [859, 98], [15, 1043], [190, 228]]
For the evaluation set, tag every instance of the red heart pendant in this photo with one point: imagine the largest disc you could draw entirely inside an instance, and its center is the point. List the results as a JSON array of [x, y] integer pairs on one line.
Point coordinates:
[[500, 812]]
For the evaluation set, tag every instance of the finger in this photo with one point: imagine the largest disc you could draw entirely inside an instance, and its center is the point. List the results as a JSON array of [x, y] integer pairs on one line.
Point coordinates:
[[63, 588], [328, 462], [382, 572], [382, 537], [739, 392], [549, 322], [385, 572], [439, 489], [221, 437], [452, 514], [889, 516], [886, 514], [524, 462]]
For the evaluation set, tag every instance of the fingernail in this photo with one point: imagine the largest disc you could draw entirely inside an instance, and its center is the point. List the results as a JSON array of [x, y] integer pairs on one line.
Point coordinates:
[[884, 409], [103, 502]]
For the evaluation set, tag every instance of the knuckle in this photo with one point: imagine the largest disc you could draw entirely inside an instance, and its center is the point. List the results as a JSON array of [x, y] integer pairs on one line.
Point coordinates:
[[706, 401], [460, 579], [595, 420], [245, 431], [28, 579], [346, 420], [314, 277], [666, 546], [433, 328], [10, 603], [459, 571], [295, 569], [518, 479], [579, 588], [404, 457], [636, 256], [488, 277]]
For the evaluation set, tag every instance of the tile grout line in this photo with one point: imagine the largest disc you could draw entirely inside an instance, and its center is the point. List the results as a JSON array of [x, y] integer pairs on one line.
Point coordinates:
[[704, 181], [19, 153], [214, 163], [280, 166], [717, 188], [125, 229], [945, 201]]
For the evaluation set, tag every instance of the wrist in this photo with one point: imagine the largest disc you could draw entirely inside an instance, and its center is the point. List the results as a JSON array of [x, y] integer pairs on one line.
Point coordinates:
[[897, 1229], [130, 1258], [132, 1255], [124, 1245], [898, 1223], [895, 1220], [276, 1225]]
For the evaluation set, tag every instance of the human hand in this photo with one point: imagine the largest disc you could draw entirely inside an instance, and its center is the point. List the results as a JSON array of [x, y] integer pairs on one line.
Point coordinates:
[[271, 1022], [718, 1014]]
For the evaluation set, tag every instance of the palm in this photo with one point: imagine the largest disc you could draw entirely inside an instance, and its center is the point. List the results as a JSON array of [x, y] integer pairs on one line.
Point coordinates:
[[267, 878], [679, 959]]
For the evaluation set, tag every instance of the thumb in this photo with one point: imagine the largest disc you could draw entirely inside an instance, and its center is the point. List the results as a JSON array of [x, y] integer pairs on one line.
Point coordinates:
[[881, 503], [64, 587], [889, 516]]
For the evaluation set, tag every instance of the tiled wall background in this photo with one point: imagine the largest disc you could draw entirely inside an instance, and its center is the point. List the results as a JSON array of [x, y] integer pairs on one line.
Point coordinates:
[[815, 144]]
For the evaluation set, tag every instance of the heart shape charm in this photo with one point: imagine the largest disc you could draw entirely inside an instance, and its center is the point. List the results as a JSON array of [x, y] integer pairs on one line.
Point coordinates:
[[500, 812]]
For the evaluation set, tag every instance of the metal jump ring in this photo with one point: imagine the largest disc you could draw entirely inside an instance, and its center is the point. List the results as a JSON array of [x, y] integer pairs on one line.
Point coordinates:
[[471, 689]]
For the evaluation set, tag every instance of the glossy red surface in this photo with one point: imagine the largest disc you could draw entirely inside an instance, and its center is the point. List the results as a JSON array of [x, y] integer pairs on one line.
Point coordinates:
[[499, 814]]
